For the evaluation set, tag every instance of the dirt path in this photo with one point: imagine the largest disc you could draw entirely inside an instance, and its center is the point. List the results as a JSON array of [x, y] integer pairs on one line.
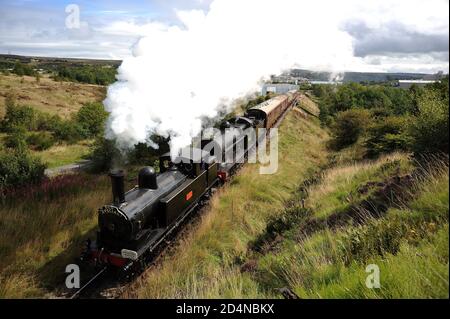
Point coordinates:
[[68, 169]]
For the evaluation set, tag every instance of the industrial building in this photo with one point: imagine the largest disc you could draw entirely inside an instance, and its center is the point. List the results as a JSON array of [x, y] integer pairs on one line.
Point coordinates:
[[278, 88]]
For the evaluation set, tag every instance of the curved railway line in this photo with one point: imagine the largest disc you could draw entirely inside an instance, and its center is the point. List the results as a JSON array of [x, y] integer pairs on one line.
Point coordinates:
[[107, 282]]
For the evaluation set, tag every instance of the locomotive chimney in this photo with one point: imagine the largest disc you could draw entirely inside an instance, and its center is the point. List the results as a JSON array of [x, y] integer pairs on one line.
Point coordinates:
[[147, 178], [118, 186]]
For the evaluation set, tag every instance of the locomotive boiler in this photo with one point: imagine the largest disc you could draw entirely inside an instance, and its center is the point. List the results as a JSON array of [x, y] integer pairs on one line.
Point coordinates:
[[137, 221]]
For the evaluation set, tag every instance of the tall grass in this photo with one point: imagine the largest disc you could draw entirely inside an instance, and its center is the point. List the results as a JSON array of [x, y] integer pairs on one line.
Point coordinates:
[[207, 263], [409, 244], [42, 229]]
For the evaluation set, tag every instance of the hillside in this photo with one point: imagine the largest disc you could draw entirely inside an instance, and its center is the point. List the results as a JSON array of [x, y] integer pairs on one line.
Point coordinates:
[[311, 230], [308, 231], [47, 95], [207, 263]]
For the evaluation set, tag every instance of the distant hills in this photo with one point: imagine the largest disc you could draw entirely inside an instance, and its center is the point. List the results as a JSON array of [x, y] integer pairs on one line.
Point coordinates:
[[52, 61], [361, 76], [46, 62]]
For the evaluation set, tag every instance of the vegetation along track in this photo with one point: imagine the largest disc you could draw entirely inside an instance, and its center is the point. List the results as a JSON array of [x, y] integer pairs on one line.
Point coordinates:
[[206, 262], [106, 283]]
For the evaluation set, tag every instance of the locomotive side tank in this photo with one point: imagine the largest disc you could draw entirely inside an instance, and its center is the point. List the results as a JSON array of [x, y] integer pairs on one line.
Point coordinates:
[[156, 202]]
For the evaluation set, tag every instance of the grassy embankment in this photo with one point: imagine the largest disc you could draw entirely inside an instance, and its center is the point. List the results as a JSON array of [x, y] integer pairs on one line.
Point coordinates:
[[63, 154], [383, 212], [314, 233], [207, 262], [49, 96], [43, 231]]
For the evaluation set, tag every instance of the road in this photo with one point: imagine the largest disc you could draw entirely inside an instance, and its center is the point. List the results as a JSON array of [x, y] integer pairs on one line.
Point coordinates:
[[68, 169]]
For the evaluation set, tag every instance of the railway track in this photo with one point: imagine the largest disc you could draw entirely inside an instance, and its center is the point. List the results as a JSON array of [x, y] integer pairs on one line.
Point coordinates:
[[105, 283]]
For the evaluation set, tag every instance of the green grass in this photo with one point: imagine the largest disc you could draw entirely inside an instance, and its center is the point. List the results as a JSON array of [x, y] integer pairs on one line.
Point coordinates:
[[338, 190], [63, 154], [42, 234], [207, 262], [409, 244], [62, 98], [258, 238]]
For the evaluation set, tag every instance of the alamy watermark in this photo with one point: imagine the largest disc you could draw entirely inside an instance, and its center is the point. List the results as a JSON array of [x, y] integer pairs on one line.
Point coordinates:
[[234, 145], [73, 18], [73, 277], [373, 279]]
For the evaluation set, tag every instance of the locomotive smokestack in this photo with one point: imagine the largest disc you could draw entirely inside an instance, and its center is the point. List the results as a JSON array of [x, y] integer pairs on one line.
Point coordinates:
[[118, 186]]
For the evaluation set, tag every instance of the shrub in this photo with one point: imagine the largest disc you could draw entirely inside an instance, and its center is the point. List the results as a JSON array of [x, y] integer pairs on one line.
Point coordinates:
[[47, 122], [18, 115], [387, 135], [429, 130], [87, 74], [377, 238], [92, 117], [144, 154], [41, 141], [23, 69], [380, 113], [16, 139], [104, 155], [348, 127], [69, 131], [19, 168]]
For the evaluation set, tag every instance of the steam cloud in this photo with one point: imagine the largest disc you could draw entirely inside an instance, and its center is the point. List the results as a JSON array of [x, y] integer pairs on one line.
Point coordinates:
[[179, 74]]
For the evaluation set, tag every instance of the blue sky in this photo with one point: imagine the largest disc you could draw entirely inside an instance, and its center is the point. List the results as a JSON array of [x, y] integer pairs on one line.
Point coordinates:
[[414, 41], [37, 27]]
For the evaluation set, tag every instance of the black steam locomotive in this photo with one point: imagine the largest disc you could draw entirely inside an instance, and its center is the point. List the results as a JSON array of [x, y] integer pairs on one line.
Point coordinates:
[[137, 221]]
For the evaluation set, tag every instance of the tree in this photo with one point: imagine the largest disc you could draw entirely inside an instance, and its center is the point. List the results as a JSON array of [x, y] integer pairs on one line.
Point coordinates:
[[18, 115], [23, 69], [16, 139], [429, 129], [19, 168], [348, 127], [105, 154], [387, 135], [92, 118]]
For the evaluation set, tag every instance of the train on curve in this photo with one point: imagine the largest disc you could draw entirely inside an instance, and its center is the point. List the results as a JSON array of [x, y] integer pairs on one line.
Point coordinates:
[[138, 221]]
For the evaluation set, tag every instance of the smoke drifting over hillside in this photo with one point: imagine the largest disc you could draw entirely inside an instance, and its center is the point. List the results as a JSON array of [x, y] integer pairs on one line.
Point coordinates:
[[179, 74]]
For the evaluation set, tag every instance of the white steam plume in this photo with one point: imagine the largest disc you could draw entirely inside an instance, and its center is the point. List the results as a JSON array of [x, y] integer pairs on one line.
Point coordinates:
[[179, 74]]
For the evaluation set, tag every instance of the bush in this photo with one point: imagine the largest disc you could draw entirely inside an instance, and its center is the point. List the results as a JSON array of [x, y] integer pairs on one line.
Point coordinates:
[[47, 122], [146, 155], [16, 139], [429, 130], [87, 74], [19, 168], [353, 95], [380, 113], [91, 117], [41, 141], [18, 116], [387, 135], [104, 155], [23, 69], [70, 131], [348, 127]]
